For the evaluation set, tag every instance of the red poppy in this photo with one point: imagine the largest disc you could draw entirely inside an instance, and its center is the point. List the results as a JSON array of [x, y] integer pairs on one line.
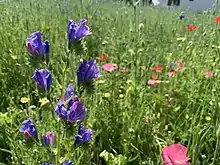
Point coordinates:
[[103, 58], [158, 68], [191, 27], [154, 76], [217, 19], [173, 72]]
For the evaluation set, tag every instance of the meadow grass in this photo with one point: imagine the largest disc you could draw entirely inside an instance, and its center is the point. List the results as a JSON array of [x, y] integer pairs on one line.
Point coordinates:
[[132, 120]]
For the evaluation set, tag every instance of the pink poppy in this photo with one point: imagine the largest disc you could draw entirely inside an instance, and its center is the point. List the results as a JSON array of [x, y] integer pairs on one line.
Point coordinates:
[[151, 82], [208, 74], [110, 67], [180, 63], [175, 154]]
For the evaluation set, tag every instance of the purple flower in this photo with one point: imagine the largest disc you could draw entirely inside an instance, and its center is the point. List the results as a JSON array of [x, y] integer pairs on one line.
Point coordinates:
[[29, 130], [35, 47], [46, 164], [68, 94], [72, 114], [48, 138], [83, 136], [87, 71], [43, 78], [67, 162], [61, 110], [77, 32], [77, 112], [46, 46]]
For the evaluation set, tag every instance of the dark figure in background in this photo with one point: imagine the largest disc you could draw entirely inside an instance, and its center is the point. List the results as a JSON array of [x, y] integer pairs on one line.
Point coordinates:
[[174, 2]]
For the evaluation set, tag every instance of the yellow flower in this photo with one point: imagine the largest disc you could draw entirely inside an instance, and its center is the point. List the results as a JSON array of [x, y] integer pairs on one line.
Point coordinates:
[[107, 95], [24, 100], [158, 81], [44, 101], [181, 39], [218, 47]]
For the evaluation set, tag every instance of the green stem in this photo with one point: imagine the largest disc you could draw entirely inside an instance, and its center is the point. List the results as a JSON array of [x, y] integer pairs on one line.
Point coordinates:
[[5, 150], [216, 151], [58, 143], [53, 108]]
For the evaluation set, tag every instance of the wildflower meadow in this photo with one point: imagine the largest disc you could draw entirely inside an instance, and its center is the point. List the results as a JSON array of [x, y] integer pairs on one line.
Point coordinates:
[[89, 82]]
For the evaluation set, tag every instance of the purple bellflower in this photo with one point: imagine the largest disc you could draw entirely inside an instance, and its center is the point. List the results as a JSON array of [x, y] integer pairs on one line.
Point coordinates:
[[43, 78], [29, 130], [46, 164], [84, 135], [48, 138], [77, 32], [72, 111], [35, 47], [87, 71]]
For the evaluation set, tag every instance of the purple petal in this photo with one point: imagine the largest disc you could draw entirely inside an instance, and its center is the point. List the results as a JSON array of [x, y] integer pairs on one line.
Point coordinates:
[[61, 110], [72, 28], [83, 30], [93, 71], [77, 112], [46, 140], [69, 92], [43, 78], [46, 46], [36, 43]]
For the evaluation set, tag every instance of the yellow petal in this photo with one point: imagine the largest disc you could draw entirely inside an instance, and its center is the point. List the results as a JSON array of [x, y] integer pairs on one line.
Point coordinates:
[[158, 81], [44, 101], [107, 95], [181, 39], [24, 100]]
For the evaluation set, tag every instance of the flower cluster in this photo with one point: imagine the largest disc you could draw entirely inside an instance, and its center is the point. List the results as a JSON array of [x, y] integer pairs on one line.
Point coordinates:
[[69, 108], [74, 110]]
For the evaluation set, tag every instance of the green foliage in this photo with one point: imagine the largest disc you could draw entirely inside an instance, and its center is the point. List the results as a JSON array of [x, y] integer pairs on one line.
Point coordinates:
[[137, 120]]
